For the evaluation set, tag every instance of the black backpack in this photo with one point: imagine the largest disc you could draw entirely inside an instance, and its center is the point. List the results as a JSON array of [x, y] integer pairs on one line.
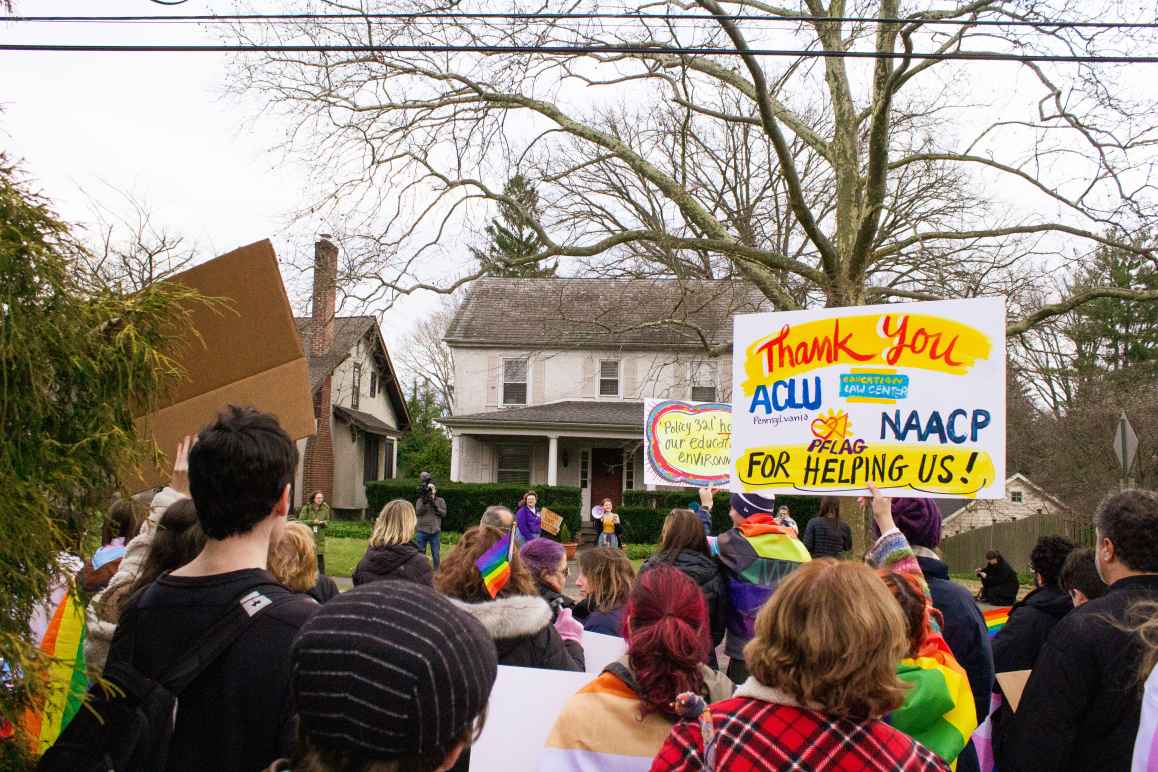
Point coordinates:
[[127, 721]]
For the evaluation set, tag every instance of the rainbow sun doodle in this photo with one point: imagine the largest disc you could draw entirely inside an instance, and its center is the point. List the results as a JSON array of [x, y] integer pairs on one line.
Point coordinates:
[[834, 426]]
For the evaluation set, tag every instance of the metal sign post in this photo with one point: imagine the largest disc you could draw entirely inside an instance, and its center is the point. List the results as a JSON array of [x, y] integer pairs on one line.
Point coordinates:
[[1126, 448]]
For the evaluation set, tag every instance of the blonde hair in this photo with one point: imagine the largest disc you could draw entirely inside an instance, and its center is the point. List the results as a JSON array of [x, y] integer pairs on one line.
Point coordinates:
[[831, 637], [293, 558], [1142, 620], [396, 524], [609, 577]]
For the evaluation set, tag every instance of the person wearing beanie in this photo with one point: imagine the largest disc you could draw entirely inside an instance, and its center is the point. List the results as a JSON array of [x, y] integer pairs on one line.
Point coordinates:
[[755, 554], [964, 626], [389, 673]]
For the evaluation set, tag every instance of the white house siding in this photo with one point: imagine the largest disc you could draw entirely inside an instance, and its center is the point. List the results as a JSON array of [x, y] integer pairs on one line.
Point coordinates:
[[343, 386], [564, 375], [980, 514]]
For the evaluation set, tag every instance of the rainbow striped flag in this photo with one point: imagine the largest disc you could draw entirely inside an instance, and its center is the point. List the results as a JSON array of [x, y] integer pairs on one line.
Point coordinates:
[[495, 564], [59, 629], [938, 710], [995, 619]]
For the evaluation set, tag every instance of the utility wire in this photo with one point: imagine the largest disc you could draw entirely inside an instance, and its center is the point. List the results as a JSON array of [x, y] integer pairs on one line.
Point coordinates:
[[545, 16], [556, 50]]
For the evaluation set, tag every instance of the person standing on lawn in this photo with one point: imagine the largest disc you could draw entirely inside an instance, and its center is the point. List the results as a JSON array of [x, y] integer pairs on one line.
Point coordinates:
[[316, 514], [430, 508]]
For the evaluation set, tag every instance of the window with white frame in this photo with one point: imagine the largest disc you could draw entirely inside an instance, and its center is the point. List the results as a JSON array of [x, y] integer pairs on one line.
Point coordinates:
[[373, 383], [356, 389], [1016, 497], [514, 464], [515, 381], [584, 468], [702, 374], [609, 377]]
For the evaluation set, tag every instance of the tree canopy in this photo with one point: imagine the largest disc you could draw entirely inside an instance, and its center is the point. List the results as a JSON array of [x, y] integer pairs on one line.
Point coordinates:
[[513, 241]]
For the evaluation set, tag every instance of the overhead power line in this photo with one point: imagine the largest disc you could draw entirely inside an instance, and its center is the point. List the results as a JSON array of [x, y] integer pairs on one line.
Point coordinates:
[[592, 16], [557, 50]]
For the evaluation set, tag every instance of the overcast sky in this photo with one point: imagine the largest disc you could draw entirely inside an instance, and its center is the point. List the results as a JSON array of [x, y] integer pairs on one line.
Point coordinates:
[[159, 128]]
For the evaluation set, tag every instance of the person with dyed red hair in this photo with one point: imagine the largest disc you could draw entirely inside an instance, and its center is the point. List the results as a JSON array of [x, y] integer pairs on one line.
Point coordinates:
[[620, 720]]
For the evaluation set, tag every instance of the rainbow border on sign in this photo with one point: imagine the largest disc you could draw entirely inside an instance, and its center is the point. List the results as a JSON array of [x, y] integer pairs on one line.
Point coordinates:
[[655, 457]]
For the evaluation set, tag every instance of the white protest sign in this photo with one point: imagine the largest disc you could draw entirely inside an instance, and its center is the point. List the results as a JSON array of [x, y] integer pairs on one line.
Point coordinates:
[[687, 443], [601, 650], [523, 706], [910, 396]]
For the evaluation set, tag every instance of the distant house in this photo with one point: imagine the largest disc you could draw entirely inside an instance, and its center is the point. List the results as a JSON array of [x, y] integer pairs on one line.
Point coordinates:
[[358, 403], [551, 374], [1023, 498]]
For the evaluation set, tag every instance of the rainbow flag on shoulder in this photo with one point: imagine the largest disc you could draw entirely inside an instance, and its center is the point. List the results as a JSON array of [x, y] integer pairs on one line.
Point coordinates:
[[938, 710], [995, 619], [495, 564]]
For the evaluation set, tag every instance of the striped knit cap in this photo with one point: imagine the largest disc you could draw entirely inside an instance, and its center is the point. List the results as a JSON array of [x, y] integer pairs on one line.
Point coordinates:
[[391, 669]]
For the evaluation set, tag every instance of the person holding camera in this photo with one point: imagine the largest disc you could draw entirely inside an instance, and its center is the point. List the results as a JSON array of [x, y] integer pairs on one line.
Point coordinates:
[[430, 508]]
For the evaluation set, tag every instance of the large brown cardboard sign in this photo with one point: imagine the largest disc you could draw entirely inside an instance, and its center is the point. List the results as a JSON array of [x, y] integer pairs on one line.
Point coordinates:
[[242, 351]]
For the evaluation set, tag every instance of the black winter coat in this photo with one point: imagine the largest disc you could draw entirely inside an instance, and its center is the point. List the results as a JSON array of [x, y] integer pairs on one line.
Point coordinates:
[[827, 537], [1082, 705], [394, 561], [705, 572], [323, 589], [520, 626], [999, 586], [1017, 645], [964, 630], [555, 599]]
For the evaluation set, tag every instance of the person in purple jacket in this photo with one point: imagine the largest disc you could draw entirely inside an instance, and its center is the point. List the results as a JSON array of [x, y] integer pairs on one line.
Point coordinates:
[[528, 516]]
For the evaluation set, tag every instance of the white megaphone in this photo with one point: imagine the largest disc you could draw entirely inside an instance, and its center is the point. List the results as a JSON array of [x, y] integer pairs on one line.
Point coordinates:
[[597, 512]]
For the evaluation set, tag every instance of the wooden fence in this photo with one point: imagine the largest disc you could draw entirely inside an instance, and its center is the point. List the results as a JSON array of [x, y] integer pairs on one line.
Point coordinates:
[[965, 552]]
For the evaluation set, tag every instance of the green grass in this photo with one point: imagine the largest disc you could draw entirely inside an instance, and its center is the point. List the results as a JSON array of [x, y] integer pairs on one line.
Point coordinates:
[[343, 554]]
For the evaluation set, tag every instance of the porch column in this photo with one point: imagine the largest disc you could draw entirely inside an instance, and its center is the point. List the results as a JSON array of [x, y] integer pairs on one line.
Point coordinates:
[[553, 459], [394, 459], [455, 458]]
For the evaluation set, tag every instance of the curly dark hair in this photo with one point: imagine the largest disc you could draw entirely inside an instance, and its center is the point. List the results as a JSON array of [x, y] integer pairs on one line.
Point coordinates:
[[1130, 520], [1048, 556]]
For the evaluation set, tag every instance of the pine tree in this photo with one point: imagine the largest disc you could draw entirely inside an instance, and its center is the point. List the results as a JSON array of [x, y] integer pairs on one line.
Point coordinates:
[[512, 238]]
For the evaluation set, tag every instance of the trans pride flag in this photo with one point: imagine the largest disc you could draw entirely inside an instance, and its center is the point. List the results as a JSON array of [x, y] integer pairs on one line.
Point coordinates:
[[495, 564]]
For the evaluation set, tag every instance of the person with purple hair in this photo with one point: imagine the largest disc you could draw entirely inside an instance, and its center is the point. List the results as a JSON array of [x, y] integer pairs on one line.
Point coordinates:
[[547, 562]]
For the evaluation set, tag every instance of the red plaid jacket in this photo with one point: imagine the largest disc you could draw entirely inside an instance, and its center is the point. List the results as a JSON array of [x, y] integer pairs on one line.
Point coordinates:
[[752, 734]]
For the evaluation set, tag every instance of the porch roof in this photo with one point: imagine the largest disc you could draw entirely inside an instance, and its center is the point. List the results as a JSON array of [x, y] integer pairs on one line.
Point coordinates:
[[370, 424], [564, 416]]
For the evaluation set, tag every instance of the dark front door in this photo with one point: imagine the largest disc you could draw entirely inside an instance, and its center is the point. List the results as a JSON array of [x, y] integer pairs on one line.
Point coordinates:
[[373, 444], [606, 475]]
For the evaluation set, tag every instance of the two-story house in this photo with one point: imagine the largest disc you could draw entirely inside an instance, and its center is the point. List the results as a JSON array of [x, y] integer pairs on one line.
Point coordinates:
[[551, 374], [359, 404]]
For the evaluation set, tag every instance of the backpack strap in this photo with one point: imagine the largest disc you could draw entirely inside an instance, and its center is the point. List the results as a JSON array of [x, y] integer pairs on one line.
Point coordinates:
[[243, 610]]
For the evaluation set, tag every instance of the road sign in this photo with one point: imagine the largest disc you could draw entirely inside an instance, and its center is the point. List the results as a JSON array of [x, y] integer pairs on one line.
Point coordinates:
[[1125, 444]]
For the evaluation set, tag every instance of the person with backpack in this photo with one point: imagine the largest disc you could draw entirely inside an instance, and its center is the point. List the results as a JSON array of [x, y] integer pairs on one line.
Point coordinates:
[[200, 660]]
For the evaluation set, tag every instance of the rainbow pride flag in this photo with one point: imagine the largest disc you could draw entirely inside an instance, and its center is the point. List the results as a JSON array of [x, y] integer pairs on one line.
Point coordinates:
[[995, 619], [495, 565], [938, 710], [59, 629]]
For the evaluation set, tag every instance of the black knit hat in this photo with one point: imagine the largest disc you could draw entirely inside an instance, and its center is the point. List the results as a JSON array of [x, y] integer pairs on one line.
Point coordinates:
[[391, 669]]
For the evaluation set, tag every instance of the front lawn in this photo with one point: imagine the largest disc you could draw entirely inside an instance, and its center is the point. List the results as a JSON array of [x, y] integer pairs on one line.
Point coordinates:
[[343, 554]]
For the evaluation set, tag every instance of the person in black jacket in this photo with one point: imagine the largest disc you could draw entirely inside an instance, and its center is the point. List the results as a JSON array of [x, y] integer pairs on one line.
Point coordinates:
[[826, 535], [1017, 644], [393, 553], [999, 582], [1081, 707], [518, 620], [683, 545], [963, 624]]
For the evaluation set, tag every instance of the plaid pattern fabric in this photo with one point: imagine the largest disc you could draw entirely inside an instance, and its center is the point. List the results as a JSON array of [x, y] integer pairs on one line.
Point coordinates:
[[752, 734]]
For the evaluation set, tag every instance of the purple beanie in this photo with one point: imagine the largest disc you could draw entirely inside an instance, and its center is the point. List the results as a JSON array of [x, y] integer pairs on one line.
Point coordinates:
[[919, 520], [748, 504], [541, 555]]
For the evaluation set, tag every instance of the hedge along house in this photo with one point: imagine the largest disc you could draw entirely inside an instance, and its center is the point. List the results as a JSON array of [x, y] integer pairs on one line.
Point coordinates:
[[551, 374], [359, 405]]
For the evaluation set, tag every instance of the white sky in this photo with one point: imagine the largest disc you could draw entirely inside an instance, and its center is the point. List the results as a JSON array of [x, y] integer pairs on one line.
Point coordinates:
[[158, 127]]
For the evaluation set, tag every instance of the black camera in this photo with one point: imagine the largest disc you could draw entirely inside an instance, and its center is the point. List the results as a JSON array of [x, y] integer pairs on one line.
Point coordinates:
[[425, 486]]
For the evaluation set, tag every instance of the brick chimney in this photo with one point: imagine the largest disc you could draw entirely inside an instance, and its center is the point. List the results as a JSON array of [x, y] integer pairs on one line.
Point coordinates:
[[318, 463]]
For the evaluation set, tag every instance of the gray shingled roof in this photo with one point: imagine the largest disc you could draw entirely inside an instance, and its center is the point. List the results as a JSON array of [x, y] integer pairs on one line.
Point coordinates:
[[601, 313], [347, 330], [577, 412], [364, 421]]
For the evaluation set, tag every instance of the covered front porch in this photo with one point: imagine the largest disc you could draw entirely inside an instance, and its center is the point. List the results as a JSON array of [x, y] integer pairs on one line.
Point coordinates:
[[595, 446]]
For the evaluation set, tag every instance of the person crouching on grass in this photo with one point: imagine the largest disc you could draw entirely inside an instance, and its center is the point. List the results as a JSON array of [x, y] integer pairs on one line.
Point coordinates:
[[823, 678]]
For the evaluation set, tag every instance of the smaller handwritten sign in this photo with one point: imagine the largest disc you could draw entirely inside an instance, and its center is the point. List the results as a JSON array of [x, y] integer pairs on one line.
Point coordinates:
[[687, 443], [550, 521]]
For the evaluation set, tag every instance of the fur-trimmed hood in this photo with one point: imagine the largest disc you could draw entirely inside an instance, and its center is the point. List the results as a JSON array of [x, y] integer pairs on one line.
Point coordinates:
[[514, 617]]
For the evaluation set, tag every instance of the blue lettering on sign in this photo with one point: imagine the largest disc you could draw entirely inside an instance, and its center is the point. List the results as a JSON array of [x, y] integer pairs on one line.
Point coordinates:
[[889, 386], [959, 427], [792, 394]]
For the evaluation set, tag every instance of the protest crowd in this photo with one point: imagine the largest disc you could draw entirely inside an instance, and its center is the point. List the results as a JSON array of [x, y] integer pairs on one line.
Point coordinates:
[[215, 641]]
